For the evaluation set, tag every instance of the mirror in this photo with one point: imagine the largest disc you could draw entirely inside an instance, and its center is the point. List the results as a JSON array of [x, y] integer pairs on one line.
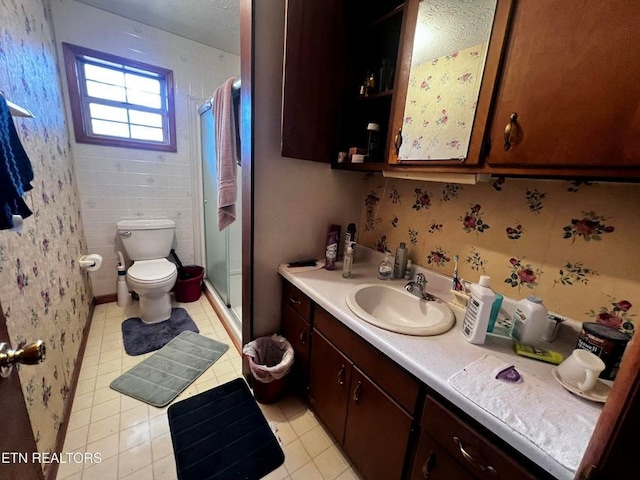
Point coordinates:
[[447, 64]]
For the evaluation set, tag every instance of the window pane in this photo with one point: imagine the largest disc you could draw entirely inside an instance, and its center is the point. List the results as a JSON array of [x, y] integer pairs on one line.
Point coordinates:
[[108, 92], [106, 112], [135, 82], [113, 129], [104, 75], [151, 100], [145, 118], [147, 133]]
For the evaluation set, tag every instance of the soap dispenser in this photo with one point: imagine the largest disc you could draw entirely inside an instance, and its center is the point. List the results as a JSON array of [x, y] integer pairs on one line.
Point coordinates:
[[385, 269]]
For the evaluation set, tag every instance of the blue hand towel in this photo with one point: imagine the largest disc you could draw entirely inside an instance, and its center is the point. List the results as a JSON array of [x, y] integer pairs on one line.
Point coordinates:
[[16, 172]]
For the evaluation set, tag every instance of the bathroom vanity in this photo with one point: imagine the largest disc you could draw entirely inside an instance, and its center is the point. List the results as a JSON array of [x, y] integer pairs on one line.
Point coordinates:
[[385, 396]]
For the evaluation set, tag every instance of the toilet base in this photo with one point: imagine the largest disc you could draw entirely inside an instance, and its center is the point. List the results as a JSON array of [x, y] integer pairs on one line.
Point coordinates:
[[155, 308]]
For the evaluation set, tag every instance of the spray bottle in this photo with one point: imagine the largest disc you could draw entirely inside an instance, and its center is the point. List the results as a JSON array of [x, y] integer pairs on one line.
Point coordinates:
[[122, 289]]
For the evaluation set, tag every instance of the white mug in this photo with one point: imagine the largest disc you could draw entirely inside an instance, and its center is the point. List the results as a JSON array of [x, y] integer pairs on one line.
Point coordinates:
[[581, 369]]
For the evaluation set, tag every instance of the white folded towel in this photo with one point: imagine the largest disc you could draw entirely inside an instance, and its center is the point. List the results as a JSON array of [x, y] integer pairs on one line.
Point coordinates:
[[560, 427]]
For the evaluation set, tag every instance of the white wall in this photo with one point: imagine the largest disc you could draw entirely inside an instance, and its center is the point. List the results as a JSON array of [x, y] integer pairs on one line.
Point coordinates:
[[119, 183], [294, 200]]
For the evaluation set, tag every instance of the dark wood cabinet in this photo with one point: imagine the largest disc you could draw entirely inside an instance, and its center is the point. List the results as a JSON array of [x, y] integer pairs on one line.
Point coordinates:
[[432, 462], [370, 425], [332, 47], [570, 75], [329, 385], [377, 430], [296, 328], [450, 447]]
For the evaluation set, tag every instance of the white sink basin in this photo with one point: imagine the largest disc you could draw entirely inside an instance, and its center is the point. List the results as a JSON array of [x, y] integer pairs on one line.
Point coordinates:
[[397, 310]]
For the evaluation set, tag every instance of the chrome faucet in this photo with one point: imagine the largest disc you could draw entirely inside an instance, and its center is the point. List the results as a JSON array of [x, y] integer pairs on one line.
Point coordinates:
[[417, 288]]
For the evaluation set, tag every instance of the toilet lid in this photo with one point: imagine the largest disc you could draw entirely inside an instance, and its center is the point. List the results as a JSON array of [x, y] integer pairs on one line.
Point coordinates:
[[151, 270]]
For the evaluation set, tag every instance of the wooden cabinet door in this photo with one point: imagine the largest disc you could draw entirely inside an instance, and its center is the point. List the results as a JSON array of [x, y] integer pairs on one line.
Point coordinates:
[[298, 332], [313, 78], [432, 462], [570, 73], [377, 430], [329, 379]]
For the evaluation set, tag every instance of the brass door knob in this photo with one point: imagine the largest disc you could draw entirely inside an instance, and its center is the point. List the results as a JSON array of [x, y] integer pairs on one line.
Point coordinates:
[[28, 355]]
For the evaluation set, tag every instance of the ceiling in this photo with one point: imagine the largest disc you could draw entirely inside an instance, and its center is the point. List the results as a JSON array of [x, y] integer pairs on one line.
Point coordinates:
[[213, 22]]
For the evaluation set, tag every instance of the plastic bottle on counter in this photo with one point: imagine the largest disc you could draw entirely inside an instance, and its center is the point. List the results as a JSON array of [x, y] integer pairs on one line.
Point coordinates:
[[332, 250], [476, 318], [407, 270], [400, 263], [385, 269], [347, 262], [529, 320]]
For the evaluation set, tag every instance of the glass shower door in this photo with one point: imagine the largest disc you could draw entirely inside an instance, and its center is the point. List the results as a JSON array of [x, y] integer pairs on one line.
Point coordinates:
[[216, 242]]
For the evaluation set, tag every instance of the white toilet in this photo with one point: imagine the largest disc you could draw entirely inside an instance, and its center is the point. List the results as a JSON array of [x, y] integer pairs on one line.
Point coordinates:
[[152, 276]]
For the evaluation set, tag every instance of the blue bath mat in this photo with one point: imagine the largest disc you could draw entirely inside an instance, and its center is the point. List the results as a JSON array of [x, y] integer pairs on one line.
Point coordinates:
[[221, 434], [140, 337]]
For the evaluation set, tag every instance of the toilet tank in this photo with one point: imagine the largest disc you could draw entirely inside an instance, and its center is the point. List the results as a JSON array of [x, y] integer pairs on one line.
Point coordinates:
[[146, 239]]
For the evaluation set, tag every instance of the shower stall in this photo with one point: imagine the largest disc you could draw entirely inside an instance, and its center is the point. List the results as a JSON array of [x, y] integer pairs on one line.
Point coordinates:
[[222, 249]]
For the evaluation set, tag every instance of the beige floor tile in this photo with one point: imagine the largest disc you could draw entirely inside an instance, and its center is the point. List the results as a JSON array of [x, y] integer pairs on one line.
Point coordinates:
[[316, 441], [159, 425], [103, 428], [285, 433], [295, 456], [106, 379], [76, 439], [79, 417], [107, 447], [272, 413], [134, 416], [134, 436], [105, 394], [302, 422], [90, 361], [86, 386], [331, 463], [348, 474], [279, 473], [83, 400], [105, 470], [290, 405], [308, 471], [165, 469], [134, 459], [145, 473], [69, 471], [161, 446], [110, 366], [103, 410]]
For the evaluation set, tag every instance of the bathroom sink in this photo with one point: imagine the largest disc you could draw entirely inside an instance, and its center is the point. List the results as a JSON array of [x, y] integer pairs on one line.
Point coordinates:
[[397, 310]]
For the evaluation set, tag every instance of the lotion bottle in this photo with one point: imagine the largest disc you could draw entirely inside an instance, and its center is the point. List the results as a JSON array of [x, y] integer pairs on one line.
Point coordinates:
[[400, 263], [476, 318]]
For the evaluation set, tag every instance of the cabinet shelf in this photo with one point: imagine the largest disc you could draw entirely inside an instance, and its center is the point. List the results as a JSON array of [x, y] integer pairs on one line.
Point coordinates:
[[359, 167], [397, 10], [377, 95]]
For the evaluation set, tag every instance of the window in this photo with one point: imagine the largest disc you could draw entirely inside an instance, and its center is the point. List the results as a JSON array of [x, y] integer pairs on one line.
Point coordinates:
[[119, 102]]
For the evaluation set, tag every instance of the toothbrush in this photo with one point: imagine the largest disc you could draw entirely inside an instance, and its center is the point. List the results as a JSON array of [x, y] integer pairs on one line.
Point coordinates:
[[457, 286]]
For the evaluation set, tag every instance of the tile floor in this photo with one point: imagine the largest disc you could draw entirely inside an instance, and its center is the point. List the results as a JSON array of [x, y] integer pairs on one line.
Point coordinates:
[[133, 438]]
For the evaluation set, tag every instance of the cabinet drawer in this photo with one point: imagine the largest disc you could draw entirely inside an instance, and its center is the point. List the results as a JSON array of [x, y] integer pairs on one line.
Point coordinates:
[[434, 463], [480, 455], [401, 386], [297, 300]]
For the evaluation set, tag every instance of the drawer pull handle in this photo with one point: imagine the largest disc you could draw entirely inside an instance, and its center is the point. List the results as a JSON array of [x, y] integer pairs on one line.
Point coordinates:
[[356, 392], [509, 130], [469, 458], [428, 464], [341, 375], [303, 336], [294, 300]]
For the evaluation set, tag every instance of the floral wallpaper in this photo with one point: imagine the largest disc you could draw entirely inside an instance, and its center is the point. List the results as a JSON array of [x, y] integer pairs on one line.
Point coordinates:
[[574, 244], [44, 294], [440, 105]]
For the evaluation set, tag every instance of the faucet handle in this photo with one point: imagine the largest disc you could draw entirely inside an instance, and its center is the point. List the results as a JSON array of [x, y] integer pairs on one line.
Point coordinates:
[[420, 279]]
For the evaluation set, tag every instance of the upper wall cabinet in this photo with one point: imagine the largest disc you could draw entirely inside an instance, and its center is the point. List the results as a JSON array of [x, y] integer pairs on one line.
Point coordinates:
[[569, 96], [339, 72], [450, 61]]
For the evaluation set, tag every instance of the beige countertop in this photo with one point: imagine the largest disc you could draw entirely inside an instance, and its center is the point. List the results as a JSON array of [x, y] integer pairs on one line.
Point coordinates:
[[435, 359]]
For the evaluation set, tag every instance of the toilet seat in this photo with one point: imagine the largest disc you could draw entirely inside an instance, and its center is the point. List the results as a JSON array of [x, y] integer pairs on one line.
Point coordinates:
[[151, 271]]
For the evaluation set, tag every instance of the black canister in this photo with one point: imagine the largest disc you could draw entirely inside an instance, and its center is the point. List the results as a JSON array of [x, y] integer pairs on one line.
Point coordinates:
[[605, 342]]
